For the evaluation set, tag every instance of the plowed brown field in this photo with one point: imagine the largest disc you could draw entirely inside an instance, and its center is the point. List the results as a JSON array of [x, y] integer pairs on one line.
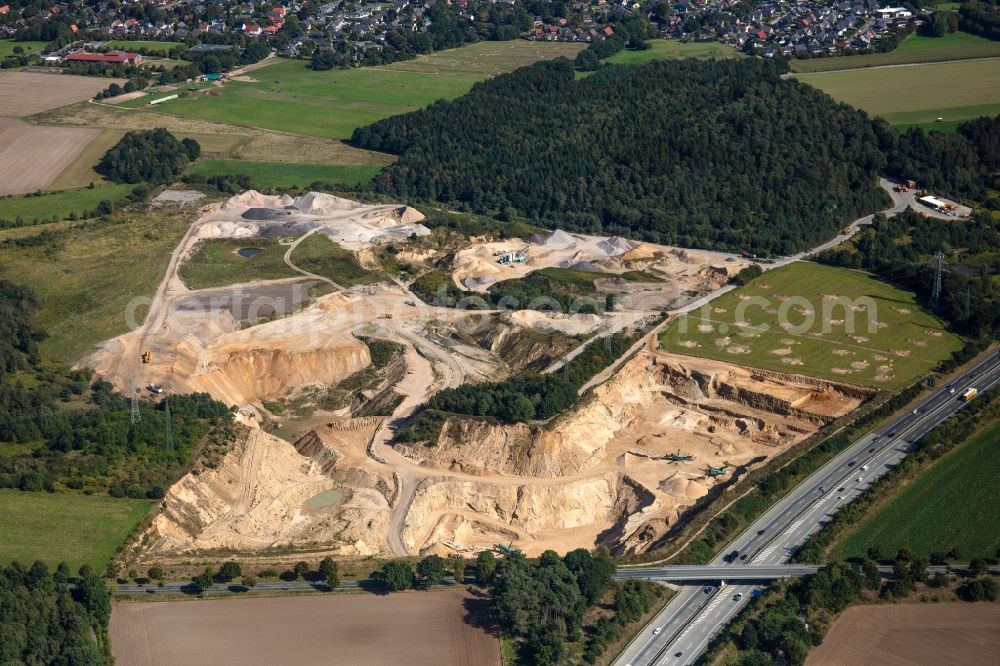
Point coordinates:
[[416, 628], [913, 635]]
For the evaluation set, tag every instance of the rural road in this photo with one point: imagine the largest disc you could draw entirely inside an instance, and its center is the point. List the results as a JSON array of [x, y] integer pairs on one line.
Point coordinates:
[[692, 617]]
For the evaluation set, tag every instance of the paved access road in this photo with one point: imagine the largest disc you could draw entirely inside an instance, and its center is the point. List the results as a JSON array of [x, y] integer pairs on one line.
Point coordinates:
[[692, 617]]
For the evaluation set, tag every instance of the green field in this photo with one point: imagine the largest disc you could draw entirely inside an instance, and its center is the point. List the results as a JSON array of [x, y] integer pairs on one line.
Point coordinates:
[[914, 49], [332, 104], [59, 204], [671, 49], [955, 503], [77, 529], [88, 272], [318, 254], [135, 45], [796, 319], [7, 46], [280, 175], [919, 94], [215, 263]]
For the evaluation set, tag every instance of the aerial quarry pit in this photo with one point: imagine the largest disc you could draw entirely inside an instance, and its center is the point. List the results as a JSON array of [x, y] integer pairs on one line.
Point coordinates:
[[617, 469]]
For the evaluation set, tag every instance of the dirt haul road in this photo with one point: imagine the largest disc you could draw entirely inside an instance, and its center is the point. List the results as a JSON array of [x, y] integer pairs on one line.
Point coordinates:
[[618, 469]]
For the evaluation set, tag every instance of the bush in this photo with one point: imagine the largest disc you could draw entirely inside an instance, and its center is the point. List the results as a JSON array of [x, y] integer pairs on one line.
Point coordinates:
[[153, 156]]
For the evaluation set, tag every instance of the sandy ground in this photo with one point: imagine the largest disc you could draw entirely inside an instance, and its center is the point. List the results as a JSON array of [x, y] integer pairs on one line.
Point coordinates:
[[119, 99], [450, 628], [602, 473], [683, 273], [33, 156], [180, 197], [26, 93], [913, 635]]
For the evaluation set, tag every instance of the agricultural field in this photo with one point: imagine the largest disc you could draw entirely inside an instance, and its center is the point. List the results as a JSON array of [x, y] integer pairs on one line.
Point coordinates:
[[949, 633], [671, 49], [77, 529], [914, 49], [88, 272], [216, 263], [7, 47], [919, 94], [281, 175], [447, 628], [32, 157], [820, 321], [27, 93], [961, 483], [59, 204], [288, 97]]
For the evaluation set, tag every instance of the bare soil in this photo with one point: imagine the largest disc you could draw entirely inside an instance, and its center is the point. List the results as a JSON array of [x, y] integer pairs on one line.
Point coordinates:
[[27, 93], [32, 156], [912, 635], [432, 628]]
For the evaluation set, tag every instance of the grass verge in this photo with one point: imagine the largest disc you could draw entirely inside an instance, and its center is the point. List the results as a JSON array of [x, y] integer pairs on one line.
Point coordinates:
[[283, 175]]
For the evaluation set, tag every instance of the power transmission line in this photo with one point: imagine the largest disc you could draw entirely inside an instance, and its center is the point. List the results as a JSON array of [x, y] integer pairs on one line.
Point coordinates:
[[936, 293], [136, 416], [169, 434]]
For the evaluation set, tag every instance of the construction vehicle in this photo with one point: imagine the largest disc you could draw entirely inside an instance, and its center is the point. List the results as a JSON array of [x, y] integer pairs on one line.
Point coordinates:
[[506, 550], [969, 394], [677, 457], [155, 388], [146, 357], [717, 471]]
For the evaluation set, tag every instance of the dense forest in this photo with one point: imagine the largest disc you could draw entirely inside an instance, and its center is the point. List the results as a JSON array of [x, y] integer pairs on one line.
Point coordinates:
[[43, 621], [77, 435], [980, 17], [148, 156], [964, 163], [900, 249], [720, 155], [542, 604]]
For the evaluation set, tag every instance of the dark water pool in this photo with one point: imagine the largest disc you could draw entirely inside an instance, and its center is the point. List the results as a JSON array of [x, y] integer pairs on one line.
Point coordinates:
[[248, 252]]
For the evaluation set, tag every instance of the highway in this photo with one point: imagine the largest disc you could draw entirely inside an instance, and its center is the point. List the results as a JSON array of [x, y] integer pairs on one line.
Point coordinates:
[[694, 615]]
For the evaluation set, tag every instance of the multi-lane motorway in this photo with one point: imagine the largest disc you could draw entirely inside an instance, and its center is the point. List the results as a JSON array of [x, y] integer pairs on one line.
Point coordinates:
[[680, 632]]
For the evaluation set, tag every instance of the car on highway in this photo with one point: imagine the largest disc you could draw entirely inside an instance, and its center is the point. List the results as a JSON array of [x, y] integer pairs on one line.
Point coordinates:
[[914, 411], [840, 497], [864, 468], [657, 630], [892, 434], [871, 450], [851, 463], [709, 589], [840, 489], [860, 479], [731, 557], [737, 596], [760, 531], [678, 654]]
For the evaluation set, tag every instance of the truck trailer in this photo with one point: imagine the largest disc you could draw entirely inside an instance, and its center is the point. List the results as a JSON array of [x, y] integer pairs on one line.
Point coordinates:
[[969, 394]]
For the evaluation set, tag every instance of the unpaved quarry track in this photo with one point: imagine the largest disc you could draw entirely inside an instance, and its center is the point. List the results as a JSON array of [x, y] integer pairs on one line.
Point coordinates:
[[601, 473]]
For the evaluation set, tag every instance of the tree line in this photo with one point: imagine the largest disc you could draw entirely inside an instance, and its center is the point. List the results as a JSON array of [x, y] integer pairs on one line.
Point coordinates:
[[900, 249], [518, 399], [92, 446], [724, 155], [45, 621], [148, 156], [980, 17]]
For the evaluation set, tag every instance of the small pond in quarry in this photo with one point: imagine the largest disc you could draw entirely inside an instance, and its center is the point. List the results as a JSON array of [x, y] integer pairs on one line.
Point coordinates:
[[248, 252], [324, 499]]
